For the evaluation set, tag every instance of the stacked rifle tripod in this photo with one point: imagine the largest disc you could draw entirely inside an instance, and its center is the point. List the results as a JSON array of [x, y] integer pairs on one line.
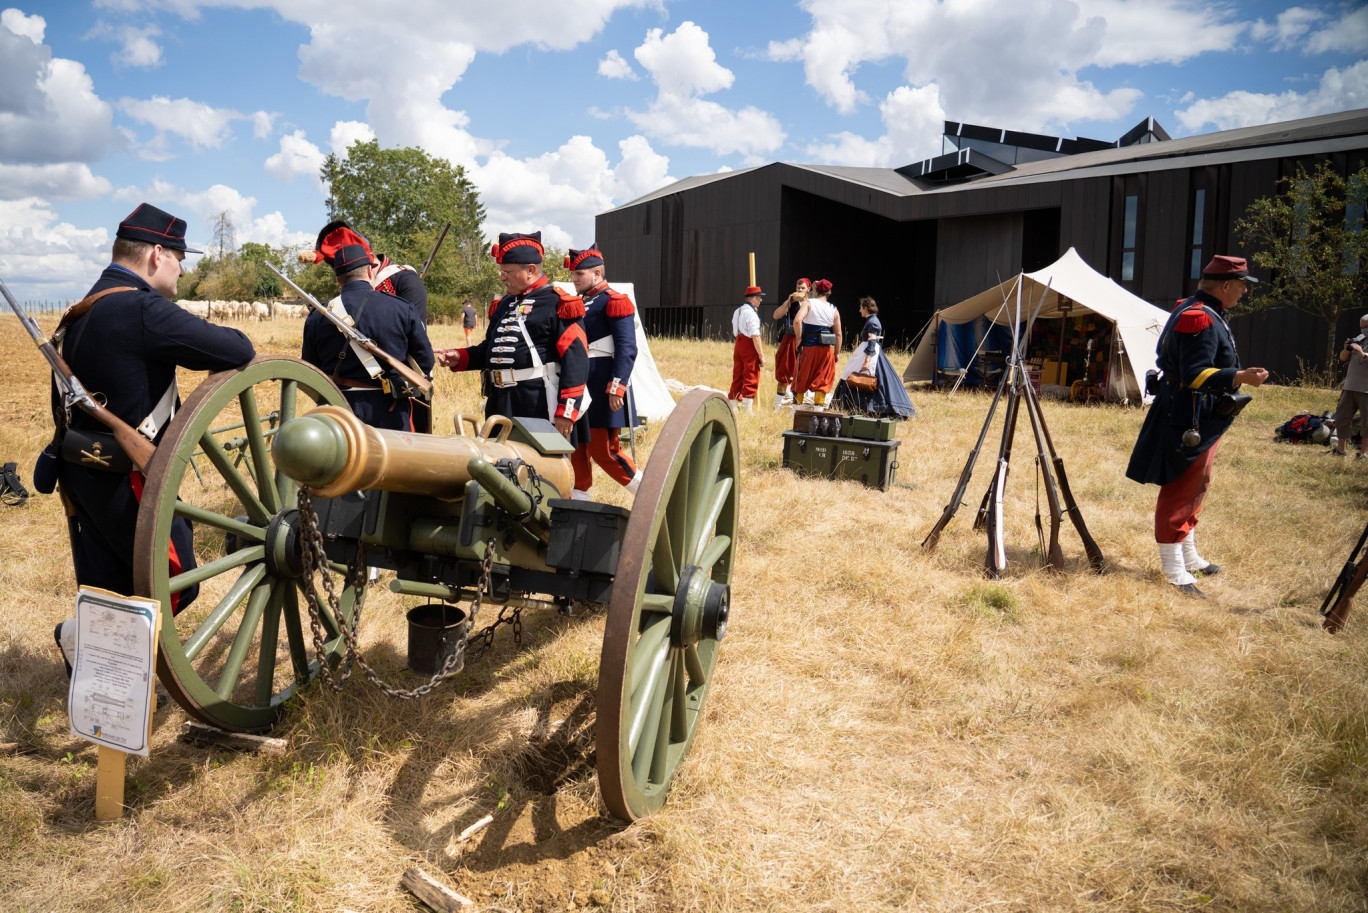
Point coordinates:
[[1016, 387]]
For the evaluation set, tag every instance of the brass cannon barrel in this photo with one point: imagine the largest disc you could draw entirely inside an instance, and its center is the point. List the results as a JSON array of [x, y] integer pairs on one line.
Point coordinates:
[[332, 452]]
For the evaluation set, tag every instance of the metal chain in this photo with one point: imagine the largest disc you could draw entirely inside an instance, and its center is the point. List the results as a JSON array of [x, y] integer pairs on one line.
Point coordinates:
[[315, 561]]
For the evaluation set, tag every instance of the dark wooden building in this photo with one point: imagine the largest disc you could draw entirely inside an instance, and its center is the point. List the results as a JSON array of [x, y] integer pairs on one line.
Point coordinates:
[[1145, 210]]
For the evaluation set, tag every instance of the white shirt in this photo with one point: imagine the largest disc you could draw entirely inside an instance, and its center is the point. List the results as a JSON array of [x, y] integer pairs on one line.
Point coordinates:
[[821, 313], [746, 321]]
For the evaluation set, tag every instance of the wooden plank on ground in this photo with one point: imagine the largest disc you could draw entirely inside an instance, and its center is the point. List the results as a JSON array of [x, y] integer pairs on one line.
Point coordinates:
[[433, 894], [238, 741]]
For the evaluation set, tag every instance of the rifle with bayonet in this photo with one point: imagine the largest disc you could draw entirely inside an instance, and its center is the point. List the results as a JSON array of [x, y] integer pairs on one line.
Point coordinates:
[[419, 383], [427, 264], [138, 448]]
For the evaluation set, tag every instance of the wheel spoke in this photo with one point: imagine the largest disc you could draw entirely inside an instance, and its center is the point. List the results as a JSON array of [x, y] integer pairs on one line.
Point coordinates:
[[713, 553], [226, 606], [646, 701], [246, 633], [294, 634], [266, 650], [217, 566], [219, 457], [657, 770], [679, 700], [256, 442], [286, 489], [646, 648], [218, 521], [708, 514], [693, 663], [663, 559]]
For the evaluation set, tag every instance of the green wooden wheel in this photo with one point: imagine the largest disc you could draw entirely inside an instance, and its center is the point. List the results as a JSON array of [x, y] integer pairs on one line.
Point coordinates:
[[668, 610], [225, 658]]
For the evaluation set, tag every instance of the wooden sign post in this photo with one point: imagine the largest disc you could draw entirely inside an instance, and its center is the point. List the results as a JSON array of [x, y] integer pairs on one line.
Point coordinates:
[[110, 699]]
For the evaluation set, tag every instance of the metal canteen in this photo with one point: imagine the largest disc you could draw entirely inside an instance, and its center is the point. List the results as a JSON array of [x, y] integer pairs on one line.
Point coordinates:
[[1192, 437]]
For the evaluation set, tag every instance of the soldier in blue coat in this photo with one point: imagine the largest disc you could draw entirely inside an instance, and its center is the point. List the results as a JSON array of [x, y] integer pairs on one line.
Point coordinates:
[[396, 279], [534, 357], [374, 391], [124, 341], [610, 328], [392, 278], [1192, 409]]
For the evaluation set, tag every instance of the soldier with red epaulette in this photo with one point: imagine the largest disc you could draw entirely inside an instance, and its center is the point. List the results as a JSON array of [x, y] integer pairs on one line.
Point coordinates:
[[610, 328], [1194, 405], [534, 355], [391, 278]]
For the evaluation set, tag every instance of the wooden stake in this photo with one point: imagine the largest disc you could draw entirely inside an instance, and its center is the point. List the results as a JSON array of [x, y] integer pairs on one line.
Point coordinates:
[[434, 895], [109, 784], [752, 267], [475, 828], [239, 741]]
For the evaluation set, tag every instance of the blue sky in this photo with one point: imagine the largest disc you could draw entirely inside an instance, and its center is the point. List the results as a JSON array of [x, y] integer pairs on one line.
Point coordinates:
[[566, 109]]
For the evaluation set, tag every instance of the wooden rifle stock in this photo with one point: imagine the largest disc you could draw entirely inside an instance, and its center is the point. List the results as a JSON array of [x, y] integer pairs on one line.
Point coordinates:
[[1340, 599], [414, 379], [138, 448]]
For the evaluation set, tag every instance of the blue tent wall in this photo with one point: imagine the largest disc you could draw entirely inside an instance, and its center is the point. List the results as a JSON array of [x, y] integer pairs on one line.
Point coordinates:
[[956, 344]]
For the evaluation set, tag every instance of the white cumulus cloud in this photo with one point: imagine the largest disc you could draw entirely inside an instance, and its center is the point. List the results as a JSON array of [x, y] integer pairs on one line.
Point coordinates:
[[49, 112], [684, 68], [50, 258], [202, 126], [613, 66], [1338, 90], [297, 156]]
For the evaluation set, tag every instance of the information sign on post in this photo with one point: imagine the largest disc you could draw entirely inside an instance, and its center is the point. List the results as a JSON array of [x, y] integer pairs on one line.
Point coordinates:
[[110, 699]]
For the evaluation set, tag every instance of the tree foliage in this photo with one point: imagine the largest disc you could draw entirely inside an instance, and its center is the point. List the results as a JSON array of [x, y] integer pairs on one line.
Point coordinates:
[[399, 200], [1311, 236]]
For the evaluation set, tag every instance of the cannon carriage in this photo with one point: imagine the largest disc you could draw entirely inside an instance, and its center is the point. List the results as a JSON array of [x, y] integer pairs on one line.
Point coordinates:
[[480, 517]]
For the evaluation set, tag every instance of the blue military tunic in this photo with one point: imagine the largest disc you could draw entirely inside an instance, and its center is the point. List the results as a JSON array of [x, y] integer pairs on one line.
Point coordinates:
[[393, 325], [1198, 359], [610, 327], [552, 321], [125, 351]]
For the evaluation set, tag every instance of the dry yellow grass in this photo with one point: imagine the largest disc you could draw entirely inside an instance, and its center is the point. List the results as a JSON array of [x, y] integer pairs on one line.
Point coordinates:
[[889, 729]]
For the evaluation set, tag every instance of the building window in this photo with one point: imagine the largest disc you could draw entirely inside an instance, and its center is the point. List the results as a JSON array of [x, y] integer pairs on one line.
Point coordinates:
[[1128, 234], [1198, 213]]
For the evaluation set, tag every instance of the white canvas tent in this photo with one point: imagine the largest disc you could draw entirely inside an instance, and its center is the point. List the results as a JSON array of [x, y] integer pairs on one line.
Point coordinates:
[[653, 400], [1136, 321]]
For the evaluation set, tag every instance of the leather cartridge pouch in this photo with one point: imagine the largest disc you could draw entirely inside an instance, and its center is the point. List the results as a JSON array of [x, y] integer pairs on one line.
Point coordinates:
[[1228, 405], [827, 338], [95, 450]]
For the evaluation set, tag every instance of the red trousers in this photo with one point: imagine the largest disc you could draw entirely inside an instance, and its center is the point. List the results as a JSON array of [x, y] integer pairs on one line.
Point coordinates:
[[604, 448], [786, 360], [816, 370], [1180, 501], [745, 369]]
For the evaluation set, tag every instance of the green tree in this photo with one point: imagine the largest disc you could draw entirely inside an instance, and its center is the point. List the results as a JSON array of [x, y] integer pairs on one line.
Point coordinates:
[[1310, 234], [399, 200], [254, 257]]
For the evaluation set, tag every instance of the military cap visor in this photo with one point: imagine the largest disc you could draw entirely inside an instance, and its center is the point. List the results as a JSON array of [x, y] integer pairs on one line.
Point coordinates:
[[151, 225]]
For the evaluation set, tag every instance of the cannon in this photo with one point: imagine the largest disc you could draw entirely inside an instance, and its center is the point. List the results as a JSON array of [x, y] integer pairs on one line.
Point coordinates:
[[479, 516]]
